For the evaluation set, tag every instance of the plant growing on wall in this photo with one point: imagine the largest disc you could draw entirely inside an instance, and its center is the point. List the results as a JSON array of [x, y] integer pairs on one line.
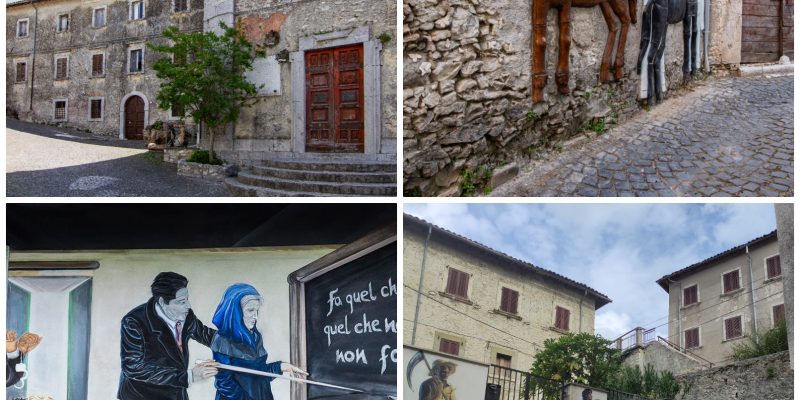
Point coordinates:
[[656, 385], [204, 76], [768, 342]]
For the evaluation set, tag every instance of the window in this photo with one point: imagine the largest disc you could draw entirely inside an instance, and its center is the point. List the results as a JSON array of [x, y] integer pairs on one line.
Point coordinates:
[[137, 10], [733, 328], [691, 338], [457, 283], [62, 23], [449, 346], [61, 67], [22, 71], [508, 300], [690, 295], [95, 109], [730, 281], [562, 318], [176, 112], [136, 62], [99, 17], [60, 110], [778, 314], [181, 5], [98, 64], [773, 267], [503, 360], [22, 28]]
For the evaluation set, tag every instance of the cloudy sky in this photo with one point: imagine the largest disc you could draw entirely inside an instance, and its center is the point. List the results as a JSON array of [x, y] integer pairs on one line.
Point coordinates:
[[619, 250]]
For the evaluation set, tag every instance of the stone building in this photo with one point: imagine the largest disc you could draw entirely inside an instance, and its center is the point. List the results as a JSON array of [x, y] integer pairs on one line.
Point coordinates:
[[715, 303], [468, 300], [329, 78]]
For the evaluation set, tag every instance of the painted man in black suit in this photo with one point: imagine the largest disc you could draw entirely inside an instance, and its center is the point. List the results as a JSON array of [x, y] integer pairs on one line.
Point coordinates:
[[16, 350], [155, 338]]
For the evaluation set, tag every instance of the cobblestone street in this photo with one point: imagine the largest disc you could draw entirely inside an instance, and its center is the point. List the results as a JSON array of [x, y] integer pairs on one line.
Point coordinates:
[[725, 137]]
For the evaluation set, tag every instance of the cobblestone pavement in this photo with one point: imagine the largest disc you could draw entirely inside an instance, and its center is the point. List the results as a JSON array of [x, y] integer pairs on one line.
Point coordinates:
[[44, 161], [727, 137]]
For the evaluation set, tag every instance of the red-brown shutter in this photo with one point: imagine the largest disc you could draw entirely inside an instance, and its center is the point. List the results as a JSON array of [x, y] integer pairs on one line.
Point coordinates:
[[733, 328], [692, 338], [562, 318], [449, 346], [690, 295], [97, 64], [513, 302], [731, 281], [773, 267], [21, 72], [457, 283], [508, 300], [778, 314]]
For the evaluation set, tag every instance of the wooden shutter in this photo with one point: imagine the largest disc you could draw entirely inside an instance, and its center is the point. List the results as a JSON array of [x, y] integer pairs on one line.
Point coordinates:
[[21, 70], [778, 314], [97, 64], [690, 295], [508, 300], [731, 281], [97, 108], [773, 267], [457, 283], [562, 318], [449, 346], [733, 328], [692, 338], [61, 68]]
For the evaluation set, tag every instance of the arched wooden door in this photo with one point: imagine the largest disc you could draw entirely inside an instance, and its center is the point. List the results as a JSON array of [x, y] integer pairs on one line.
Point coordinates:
[[134, 118]]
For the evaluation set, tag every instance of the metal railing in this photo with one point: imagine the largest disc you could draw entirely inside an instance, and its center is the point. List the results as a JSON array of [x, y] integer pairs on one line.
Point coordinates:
[[510, 384], [634, 337]]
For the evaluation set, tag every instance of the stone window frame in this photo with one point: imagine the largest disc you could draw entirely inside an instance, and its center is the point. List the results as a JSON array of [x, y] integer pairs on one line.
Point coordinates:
[[27, 22], [699, 337], [772, 311], [725, 337], [93, 53], [470, 284], [683, 296], [57, 57], [102, 109], [188, 7], [494, 350], [132, 48], [58, 22], [66, 109], [437, 339], [738, 270], [16, 66], [131, 10], [766, 269], [372, 47], [105, 16]]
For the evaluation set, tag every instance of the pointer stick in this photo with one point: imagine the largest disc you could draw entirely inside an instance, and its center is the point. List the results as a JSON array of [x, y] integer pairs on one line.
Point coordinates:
[[262, 373]]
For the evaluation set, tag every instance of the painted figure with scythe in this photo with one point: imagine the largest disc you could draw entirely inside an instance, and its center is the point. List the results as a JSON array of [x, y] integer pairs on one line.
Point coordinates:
[[436, 387]]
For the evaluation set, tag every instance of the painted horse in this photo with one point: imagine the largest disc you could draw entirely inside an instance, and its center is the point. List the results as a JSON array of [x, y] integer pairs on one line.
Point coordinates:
[[625, 10], [657, 16]]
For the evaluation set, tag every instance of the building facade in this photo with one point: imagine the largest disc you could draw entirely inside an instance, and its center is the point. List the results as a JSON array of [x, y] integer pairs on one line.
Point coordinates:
[[467, 300], [716, 303], [328, 78]]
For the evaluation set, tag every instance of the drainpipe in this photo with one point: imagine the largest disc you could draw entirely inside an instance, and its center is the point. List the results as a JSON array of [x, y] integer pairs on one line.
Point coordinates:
[[706, 32], [33, 61], [419, 287], [580, 311], [752, 291], [680, 318]]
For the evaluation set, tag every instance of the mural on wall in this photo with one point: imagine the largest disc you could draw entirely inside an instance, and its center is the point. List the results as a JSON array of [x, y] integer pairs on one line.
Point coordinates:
[[624, 10], [16, 350], [435, 376], [656, 18]]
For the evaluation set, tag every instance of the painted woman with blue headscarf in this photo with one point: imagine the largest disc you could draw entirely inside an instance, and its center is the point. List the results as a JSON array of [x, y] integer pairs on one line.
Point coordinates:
[[239, 343]]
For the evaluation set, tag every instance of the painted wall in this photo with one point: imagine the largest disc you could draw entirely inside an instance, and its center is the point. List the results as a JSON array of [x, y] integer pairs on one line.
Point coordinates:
[[123, 280], [80, 42], [440, 316], [714, 307], [469, 379]]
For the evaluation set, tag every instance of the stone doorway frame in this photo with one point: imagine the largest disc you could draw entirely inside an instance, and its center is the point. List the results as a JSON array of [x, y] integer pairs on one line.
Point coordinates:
[[372, 84], [122, 111]]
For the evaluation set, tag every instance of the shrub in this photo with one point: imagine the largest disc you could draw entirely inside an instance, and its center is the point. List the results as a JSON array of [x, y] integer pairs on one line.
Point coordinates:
[[769, 342], [202, 157]]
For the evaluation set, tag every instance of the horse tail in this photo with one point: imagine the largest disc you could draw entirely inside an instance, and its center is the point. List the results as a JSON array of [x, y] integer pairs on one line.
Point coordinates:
[[632, 5]]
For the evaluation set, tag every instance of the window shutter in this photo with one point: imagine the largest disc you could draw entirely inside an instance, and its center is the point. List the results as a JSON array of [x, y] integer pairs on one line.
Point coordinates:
[[690, 295], [562, 318], [97, 64], [773, 267], [692, 338], [20, 72], [96, 105], [778, 314], [449, 346], [61, 68], [513, 302], [463, 283]]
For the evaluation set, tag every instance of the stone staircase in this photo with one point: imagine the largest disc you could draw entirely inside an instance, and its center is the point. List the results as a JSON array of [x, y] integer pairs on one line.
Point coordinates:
[[316, 176]]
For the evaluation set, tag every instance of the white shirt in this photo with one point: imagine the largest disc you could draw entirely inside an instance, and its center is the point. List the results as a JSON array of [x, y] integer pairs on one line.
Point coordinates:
[[171, 324]]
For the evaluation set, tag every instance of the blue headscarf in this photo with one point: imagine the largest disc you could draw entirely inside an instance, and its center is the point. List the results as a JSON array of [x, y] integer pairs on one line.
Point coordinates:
[[229, 318]]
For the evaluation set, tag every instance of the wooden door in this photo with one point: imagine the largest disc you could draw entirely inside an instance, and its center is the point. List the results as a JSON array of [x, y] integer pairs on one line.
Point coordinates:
[[766, 31], [134, 118], [335, 100]]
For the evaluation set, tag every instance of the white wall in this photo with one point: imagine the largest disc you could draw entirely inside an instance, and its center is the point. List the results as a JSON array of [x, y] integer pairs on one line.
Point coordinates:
[[123, 280]]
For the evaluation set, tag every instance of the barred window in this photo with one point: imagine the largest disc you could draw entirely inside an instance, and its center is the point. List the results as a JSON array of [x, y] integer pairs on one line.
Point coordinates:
[[98, 67], [61, 68], [96, 108], [60, 113], [22, 71]]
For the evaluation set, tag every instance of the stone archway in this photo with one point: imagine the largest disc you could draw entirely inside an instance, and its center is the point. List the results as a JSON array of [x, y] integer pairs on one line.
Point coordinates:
[[127, 102]]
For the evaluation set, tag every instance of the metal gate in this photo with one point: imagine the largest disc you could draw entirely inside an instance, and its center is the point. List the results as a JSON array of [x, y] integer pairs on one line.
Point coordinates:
[[507, 384]]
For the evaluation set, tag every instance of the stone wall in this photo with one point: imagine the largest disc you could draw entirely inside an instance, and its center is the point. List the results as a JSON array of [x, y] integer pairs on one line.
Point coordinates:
[[662, 358], [467, 86], [767, 377], [79, 43], [725, 39]]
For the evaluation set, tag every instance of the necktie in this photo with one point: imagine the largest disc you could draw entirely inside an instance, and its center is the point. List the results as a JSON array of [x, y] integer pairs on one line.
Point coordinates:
[[178, 335]]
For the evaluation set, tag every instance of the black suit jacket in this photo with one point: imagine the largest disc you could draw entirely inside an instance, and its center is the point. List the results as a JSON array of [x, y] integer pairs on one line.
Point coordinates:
[[12, 376], [153, 367]]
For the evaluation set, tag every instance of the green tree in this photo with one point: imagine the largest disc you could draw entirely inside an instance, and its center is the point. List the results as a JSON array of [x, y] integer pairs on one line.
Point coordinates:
[[204, 77], [581, 358]]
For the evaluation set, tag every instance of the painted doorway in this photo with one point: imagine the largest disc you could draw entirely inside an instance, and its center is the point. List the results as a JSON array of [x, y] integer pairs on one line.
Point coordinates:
[[134, 118], [335, 100]]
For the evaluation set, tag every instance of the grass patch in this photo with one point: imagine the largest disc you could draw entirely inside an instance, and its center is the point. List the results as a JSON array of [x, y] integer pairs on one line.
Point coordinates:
[[202, 157]]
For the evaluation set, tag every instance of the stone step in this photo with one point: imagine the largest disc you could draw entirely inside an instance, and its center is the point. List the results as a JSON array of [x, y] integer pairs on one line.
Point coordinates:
[[336, 165], [243, 190], [325, 176], [314, 188]]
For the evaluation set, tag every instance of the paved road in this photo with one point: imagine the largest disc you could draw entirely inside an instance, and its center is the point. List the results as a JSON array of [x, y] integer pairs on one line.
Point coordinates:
[[46, 161], [727, 137]]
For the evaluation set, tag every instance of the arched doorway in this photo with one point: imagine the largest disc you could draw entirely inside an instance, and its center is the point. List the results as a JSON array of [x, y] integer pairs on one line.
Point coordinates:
[[134, 117]]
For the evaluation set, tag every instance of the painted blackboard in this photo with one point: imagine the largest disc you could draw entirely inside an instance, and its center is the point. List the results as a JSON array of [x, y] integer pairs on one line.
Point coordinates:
[[351, 327]]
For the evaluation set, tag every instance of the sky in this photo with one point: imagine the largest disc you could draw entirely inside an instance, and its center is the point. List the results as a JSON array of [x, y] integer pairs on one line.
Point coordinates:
[[619, 250]]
